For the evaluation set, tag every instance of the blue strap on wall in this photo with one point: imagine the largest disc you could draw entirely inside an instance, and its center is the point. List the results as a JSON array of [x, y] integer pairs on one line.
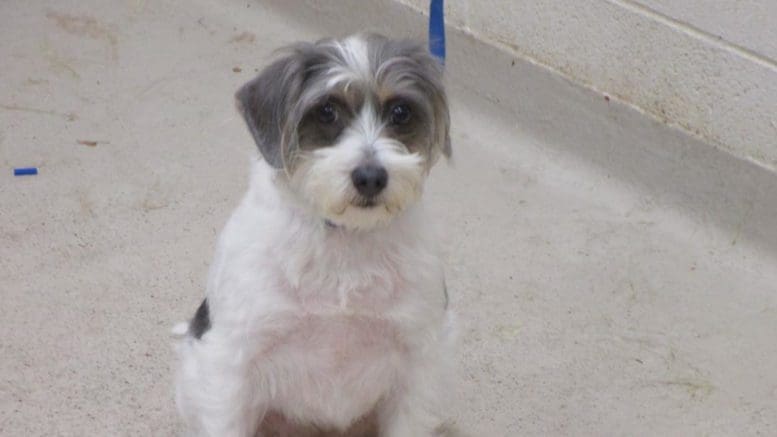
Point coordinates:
[[437, 29]]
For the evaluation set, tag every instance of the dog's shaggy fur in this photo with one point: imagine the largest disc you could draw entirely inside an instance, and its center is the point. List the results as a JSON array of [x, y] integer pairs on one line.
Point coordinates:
[[326, 309]]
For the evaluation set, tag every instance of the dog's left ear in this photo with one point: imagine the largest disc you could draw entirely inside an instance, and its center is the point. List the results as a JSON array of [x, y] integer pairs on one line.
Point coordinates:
[[442, 116], [265, 104]]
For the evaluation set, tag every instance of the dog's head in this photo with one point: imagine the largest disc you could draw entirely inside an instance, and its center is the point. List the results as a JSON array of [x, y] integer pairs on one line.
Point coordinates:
[[354, 124]]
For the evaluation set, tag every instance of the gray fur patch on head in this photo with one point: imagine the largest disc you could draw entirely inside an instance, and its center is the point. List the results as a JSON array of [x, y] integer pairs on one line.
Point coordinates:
[[279, 105], [406, 68], [268, 101]]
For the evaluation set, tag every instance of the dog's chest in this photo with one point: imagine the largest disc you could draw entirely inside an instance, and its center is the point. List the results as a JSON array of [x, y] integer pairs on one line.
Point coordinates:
[[339, 343], [342, 343], [336, 366], [346, 327], [350, 307], [349, 277]]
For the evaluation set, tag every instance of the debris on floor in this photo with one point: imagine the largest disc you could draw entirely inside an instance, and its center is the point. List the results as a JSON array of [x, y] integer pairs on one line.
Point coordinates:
[[25, 171]]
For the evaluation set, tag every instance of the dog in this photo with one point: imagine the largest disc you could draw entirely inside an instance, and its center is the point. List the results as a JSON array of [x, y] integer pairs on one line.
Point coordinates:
[[326, 311]]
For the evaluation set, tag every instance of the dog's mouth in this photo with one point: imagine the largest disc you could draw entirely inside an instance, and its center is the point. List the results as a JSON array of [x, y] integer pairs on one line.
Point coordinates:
[[362, 212], [365, 202]]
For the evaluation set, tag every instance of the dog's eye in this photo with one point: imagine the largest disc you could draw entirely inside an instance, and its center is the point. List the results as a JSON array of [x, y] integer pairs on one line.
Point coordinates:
[[327, 113], [400, 114]]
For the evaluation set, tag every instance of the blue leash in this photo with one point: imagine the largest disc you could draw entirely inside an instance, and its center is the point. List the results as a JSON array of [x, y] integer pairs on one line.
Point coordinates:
[[437, 29]]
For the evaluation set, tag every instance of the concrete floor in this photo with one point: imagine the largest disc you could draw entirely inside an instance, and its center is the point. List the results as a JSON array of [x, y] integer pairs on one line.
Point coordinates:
[[588, 307]]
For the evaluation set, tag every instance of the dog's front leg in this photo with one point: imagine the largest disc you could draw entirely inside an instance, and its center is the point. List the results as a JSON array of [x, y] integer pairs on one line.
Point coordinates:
[[218, 394], [414, 409], [408, 414]]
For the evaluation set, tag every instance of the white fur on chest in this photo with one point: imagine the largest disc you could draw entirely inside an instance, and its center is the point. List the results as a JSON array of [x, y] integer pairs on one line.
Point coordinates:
[[331, 369], [331, 315]]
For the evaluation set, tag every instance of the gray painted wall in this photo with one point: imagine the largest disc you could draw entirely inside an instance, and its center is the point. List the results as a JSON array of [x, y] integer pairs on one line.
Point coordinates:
[[706, 66]]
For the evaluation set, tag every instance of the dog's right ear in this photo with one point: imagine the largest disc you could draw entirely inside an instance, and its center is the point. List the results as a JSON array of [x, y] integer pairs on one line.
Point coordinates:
[[265, 105]]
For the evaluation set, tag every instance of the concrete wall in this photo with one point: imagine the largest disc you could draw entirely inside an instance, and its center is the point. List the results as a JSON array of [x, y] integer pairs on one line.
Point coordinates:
[[706, 66], [749, 24]]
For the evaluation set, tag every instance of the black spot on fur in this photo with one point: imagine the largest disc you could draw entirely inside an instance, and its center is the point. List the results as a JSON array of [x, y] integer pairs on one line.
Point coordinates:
[[201, 321]]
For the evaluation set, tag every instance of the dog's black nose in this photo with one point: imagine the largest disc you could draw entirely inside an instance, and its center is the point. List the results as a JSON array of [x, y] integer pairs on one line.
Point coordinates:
[[369, 180]]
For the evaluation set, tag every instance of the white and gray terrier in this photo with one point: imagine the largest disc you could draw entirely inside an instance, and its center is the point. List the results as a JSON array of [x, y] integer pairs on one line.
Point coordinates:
[[326, 310]]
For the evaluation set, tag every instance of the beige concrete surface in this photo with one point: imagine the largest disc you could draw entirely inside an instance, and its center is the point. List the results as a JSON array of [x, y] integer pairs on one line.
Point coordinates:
[[609, 277]]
